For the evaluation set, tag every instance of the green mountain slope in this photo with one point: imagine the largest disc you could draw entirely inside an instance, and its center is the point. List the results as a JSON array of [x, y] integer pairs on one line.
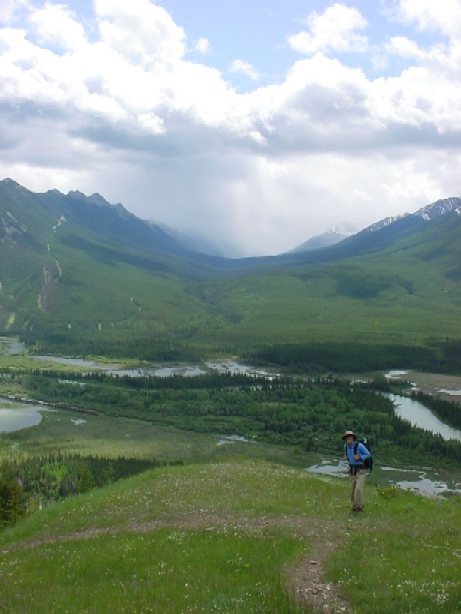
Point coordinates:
[[204, 538], [407, 293], [80, 276], [74, 267]]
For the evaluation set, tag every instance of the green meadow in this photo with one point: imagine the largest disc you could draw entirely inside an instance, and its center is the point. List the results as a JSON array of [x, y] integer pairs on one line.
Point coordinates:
[[112, 437], [234, 536]]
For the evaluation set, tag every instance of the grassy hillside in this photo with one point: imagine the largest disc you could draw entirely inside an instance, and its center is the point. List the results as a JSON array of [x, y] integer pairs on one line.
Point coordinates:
[[123, 310], [85, 278], [233, 537]]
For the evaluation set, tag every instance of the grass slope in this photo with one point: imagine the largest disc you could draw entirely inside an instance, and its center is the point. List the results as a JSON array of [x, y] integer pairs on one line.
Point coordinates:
[[103, 283], [113, 437], [227, 537]]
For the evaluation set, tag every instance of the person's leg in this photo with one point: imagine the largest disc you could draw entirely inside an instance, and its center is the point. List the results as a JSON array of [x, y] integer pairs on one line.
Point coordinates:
[[359, 489], [353, 483]]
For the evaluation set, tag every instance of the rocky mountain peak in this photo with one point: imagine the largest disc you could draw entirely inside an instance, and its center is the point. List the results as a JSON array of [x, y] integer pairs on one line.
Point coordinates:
[[445, 206]]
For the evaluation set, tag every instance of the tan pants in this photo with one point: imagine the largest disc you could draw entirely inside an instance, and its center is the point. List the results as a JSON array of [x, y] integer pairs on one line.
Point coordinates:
[[357, 487]]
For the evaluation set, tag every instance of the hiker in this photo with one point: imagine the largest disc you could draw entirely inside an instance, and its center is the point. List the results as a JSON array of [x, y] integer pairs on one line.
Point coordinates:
[[356, 454]]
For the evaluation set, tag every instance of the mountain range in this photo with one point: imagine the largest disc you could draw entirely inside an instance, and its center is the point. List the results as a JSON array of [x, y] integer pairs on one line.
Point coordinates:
[[325, 239], [79, 275]]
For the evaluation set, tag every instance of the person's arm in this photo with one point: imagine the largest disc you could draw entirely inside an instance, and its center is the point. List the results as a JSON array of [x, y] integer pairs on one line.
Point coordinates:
[[362, 452]]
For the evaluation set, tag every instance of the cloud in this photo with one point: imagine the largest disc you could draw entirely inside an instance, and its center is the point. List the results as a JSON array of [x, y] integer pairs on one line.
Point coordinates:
[[333, 30], [202, 45], [429, 15], [10, 8], [55, 24], [124, 111], [404, 47], [141, 31], [243, 68]]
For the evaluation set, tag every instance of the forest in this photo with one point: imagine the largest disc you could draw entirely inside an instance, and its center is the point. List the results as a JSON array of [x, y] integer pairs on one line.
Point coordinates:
[[30, 483], [309, 414], [357, 357]]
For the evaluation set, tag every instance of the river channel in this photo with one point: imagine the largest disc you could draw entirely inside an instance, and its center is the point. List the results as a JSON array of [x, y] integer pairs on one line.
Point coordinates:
[[16, 417], [15, 348], [426, 482], [422, 417]]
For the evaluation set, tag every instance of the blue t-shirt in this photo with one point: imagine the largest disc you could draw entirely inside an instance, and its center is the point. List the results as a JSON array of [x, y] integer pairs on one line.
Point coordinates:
[[361, 451]]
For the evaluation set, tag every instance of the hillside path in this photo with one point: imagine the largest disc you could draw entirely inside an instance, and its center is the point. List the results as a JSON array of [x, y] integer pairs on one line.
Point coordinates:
[[305, 580]]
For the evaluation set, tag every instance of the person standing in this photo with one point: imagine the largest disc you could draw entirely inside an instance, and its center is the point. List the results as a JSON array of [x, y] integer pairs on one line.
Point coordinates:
[[355, 454]]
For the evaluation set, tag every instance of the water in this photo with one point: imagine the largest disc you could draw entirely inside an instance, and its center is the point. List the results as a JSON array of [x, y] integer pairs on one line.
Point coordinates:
[[424, 482], [18, 418], [235, 368], [329, 467], [419, 415], [114, 370], [73, 362], [421, 481], [189, 371], [395, 374], [15, 347], [229, 439], [429, 487], [155, 371], [225, 366]]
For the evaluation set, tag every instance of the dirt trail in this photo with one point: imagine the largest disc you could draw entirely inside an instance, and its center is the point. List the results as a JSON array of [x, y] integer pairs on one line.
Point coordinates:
[[305, 581], [308, 582]]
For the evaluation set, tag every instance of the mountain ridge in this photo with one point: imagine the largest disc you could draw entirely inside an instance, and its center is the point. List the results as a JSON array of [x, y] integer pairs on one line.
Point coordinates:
[[324, 239], [84, 276], [171, 240]]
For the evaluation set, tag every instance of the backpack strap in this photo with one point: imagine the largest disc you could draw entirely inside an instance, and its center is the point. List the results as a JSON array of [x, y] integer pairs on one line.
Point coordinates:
[[356, 445]]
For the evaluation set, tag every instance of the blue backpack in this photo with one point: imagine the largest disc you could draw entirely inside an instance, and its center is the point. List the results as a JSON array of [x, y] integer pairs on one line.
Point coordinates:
[[368, 462]]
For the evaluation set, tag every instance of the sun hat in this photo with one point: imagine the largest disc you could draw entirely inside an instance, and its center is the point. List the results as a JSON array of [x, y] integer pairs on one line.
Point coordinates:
[[349, 433]]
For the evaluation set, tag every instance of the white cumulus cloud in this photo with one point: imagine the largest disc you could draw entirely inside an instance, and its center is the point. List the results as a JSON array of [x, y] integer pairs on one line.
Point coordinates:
[[244, 68], [429, 15], [336, 29], [140, 30], [124, 111], [202, 45], [55, 24], [10, 8]]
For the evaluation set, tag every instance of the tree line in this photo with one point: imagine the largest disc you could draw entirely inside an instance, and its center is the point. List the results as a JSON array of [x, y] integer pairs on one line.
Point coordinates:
[[441, 357], [27, 484], [310, 414]]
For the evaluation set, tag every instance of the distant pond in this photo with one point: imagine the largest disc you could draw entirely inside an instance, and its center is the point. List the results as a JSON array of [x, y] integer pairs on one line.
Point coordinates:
[[15, 418]]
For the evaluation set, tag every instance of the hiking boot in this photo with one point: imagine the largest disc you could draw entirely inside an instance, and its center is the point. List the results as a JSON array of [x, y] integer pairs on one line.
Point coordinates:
[[357, 508]]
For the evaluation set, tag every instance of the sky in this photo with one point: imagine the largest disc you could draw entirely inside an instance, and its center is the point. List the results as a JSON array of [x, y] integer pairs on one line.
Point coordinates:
[[256, 124]]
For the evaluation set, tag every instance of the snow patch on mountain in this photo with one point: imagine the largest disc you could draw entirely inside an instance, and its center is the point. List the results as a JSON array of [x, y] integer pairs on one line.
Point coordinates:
[[429, 213], [327, 239], [442, 207], [387, 221], [62, 220]]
